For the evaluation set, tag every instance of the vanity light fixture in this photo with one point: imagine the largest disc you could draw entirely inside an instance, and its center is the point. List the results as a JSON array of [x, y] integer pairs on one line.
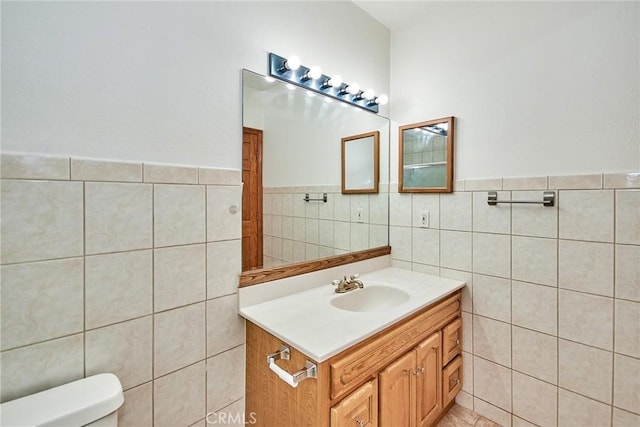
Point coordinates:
[[293, 72], [352, 89], [368, 94], [381, 100], [358, 96], [335, 81], [313, 73], [291, 64]]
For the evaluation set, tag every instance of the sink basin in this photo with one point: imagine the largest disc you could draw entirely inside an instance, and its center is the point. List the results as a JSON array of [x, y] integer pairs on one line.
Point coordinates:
[[371, 298]]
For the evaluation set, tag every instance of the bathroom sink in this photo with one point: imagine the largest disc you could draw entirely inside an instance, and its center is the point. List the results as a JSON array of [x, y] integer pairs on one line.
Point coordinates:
[[371, 298]]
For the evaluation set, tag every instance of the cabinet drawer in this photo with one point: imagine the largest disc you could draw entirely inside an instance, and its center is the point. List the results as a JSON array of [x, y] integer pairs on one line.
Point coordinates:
[[451, 341], [360, 408], [451, 380], [351, 369]]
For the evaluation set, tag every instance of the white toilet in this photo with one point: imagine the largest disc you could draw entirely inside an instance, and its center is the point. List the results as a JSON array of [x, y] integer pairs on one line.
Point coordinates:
[[92, 401]]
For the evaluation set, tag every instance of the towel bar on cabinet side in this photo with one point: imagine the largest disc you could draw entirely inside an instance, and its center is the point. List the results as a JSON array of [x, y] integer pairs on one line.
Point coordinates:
[[310, 370]]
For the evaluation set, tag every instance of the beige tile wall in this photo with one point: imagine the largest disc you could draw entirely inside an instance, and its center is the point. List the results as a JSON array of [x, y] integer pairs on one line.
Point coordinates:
[[132, 269], [127, 268], [552, 311], [295, 230]]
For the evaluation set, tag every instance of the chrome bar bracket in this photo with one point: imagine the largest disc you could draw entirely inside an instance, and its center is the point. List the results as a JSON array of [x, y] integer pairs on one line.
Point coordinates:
[[283, 353]]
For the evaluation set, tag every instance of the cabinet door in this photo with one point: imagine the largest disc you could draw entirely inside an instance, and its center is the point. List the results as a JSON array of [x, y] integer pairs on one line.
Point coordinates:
[[451, 341], [428, 376], [452, 380], [397, 391], [359, 409]]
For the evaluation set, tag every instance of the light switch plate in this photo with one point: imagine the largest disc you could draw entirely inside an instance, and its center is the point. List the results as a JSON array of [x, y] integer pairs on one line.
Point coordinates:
[[424, 219]]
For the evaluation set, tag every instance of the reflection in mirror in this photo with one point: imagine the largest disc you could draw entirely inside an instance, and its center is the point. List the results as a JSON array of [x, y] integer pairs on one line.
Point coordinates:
[[360, 163], [295, 136], [426, 157]]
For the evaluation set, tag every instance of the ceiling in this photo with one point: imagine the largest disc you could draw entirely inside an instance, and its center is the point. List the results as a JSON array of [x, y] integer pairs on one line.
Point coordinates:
[[394, 14]]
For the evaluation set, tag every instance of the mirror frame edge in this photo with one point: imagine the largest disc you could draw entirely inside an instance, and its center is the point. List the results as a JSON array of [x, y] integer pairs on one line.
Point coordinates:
[[448, 188], [255, 277]]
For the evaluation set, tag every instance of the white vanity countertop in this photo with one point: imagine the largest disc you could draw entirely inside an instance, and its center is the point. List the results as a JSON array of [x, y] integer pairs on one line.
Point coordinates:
[[308, 322]]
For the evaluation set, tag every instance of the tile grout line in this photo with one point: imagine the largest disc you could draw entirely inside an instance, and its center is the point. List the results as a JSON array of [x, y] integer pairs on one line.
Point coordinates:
[[473, 323], [613, 311], [153, 299], [206, 297], [84, 273], [511, 299], [557, 239]]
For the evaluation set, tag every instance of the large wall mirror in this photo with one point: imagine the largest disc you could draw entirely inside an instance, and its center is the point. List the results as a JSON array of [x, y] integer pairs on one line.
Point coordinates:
[[295, 217], [426, 157]]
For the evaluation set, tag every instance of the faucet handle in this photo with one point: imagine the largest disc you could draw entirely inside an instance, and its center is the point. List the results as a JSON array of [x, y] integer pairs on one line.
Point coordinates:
[[335, 282], [354, 276]]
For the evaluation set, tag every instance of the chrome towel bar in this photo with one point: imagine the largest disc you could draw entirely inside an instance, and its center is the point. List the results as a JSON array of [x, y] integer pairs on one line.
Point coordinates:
[[310, 370], [323, 199], [548, 199]]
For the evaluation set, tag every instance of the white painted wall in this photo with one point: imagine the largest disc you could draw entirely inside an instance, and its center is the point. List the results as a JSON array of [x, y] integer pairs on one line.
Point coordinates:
[[537, 88], [252, 108], [161, 81], [303, 146]]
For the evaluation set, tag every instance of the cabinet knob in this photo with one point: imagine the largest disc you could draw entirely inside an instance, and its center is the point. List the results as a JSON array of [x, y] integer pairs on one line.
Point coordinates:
[[457, 342], [454, 381], [419, 371], [360, 423]]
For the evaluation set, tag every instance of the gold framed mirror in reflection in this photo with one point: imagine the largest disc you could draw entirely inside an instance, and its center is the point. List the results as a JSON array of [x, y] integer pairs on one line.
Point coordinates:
[[426, 156], [360, 163], [292, 197]]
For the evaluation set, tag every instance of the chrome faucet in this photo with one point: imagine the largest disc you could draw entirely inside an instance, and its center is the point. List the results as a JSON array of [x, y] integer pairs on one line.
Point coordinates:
[[346, 285]]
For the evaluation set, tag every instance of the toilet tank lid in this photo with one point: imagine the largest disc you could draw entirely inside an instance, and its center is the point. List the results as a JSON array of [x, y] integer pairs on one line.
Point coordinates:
[[73, 404]]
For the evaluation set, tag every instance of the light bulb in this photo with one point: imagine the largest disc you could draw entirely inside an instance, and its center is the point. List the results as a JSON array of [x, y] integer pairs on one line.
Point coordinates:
[[353, 88], [314, 73], [292, 63], [382, 99], [335, 81], [368, 94]]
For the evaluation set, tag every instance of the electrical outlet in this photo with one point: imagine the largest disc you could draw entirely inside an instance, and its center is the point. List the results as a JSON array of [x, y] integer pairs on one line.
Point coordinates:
[[424, 219], [359, 215]]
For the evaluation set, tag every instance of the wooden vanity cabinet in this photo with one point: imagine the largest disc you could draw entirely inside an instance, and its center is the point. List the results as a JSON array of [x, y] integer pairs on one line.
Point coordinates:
[[396, 389], [360, 408], [429, 380], [404, 376], [451, 341], [452, 380], [410, 388]]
